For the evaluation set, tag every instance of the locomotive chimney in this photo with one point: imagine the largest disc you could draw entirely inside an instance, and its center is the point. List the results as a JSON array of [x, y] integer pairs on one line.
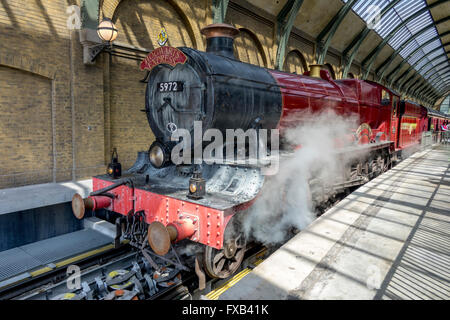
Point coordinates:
[[220, 38]]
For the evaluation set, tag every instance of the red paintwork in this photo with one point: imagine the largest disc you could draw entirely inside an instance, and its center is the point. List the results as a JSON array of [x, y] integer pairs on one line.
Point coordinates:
[[163, 55], [437, 122], [410, 123], [185, 228], [100, 202], [209, 225], [303, 95]]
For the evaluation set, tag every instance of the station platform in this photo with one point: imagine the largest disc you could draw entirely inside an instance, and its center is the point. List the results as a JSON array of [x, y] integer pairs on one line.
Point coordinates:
[[33, 213], [389, 239], [34, 259], [41, 195]]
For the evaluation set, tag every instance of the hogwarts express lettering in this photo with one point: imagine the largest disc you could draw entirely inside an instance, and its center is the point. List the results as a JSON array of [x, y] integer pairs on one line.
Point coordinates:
[[163, 55]]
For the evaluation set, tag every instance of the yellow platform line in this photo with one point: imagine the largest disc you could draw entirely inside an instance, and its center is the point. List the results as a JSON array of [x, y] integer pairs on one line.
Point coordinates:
[[79, 257], [64, 262], [215, 294]]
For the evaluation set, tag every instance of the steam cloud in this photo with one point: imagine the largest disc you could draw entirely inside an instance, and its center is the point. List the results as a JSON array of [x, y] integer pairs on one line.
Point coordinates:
[[286, 200]]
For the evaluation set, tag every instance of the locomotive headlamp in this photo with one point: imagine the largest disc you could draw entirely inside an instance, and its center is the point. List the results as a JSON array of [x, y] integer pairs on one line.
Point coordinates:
[[107, 31], [114, 169], [197, 186], [158, 155]]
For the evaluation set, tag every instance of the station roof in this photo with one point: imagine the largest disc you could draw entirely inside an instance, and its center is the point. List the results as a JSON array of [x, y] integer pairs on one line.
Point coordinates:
[[417, 30], [408, 49]]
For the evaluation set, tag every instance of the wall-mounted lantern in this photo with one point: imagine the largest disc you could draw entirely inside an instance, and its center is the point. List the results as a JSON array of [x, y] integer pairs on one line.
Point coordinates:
[[107, 31], [96, 41]]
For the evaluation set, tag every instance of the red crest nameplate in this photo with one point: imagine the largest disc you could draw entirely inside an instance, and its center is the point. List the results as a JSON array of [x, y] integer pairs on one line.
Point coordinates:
[[163, 55]]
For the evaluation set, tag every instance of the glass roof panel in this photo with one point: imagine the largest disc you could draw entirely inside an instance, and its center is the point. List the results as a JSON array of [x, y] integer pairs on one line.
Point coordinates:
[[425, 62], [427, 35], [406, 51], [366, 9], [399, 38], [434, 54], [416, 57]]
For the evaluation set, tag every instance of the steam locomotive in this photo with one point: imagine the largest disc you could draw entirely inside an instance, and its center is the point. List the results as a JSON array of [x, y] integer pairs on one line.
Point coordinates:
[[159, 203]]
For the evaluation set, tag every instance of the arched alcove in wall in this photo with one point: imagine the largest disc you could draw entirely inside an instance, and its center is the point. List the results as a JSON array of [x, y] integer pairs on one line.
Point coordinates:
[[351, 75], [295, 62], [140, 21], [247, 48]]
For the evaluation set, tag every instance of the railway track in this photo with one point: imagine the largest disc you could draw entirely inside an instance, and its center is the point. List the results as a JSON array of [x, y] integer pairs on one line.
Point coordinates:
[[126, 274], [120, 274]]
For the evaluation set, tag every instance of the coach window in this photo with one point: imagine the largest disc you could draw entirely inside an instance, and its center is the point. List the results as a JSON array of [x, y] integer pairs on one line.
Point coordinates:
[[394, 105], [385, 98]]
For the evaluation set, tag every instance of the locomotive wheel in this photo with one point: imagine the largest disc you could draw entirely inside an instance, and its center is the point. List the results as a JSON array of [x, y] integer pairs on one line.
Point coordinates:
[[366, 169], [380, 162], [223, 263]]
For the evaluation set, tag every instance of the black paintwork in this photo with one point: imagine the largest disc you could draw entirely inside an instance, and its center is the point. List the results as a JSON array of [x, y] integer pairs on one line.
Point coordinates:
[[226, 186], [220, 91]]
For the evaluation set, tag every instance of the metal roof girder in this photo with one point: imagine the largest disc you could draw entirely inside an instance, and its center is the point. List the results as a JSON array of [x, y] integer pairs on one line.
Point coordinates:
[[285, 22], [370, 59], [385, 65], [391, 76], [358, 40], [326, 35]]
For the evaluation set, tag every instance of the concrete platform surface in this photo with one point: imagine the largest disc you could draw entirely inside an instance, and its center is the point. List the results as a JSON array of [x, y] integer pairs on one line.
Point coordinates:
[[390, 239], [41, 195], [20, 261]]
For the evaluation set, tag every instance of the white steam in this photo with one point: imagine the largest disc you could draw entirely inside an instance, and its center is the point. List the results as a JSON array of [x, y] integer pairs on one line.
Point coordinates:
[[286, 200], [189, 249]]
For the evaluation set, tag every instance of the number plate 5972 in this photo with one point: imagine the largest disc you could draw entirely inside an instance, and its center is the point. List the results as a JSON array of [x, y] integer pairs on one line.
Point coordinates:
[[170, 86]]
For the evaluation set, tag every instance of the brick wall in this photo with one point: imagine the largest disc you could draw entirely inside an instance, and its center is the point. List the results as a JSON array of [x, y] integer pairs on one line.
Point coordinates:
[[295, 62], [59, 118], [141, 22], [26, 144]]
